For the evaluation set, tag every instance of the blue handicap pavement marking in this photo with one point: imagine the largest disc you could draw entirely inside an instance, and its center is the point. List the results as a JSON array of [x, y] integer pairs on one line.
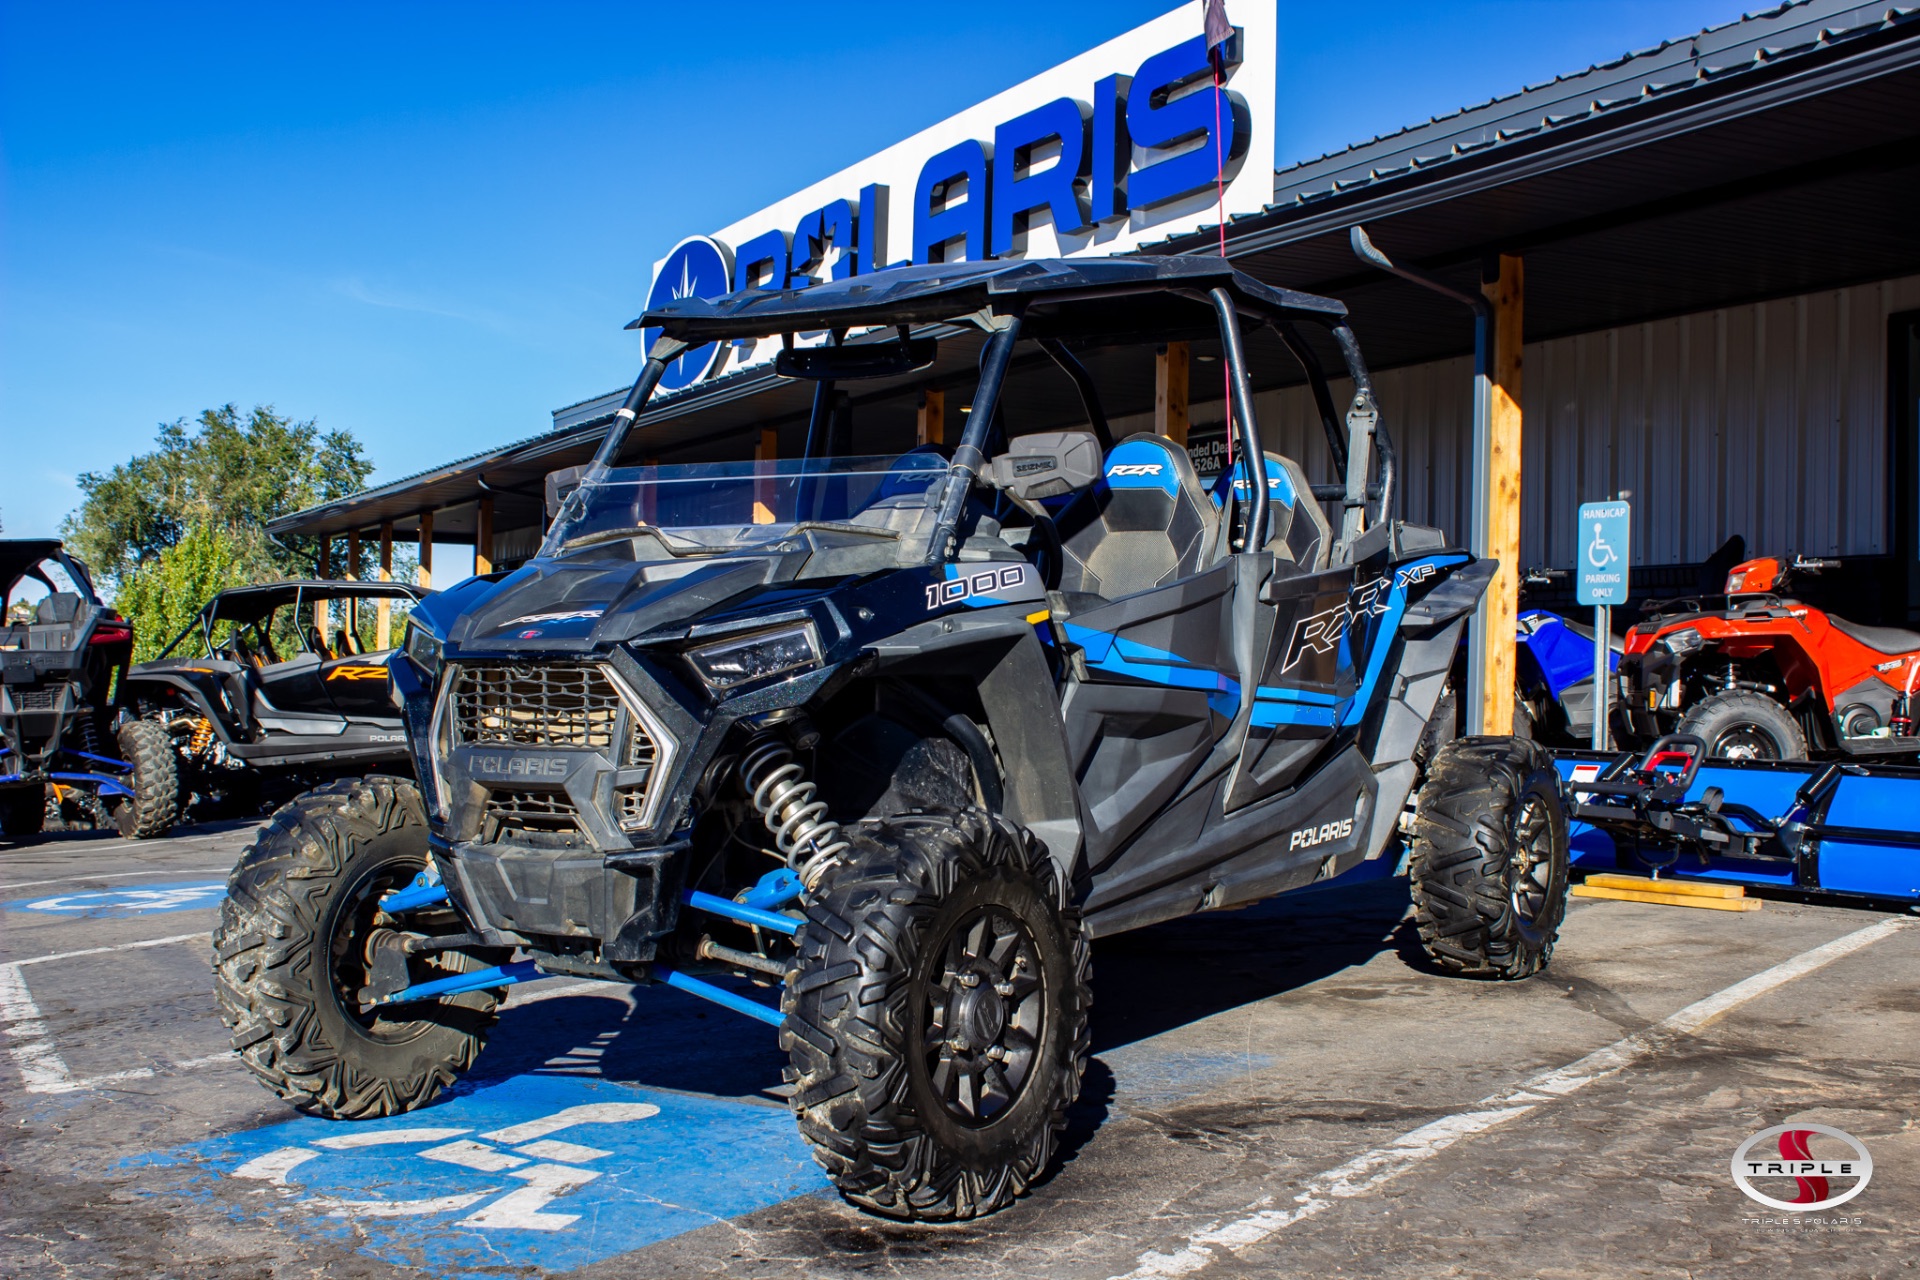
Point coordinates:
[[103, 903], [539, 1172]]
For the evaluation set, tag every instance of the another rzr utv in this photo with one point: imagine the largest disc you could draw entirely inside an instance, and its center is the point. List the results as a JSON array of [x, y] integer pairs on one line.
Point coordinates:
[[884, 732], [273, 689], [59, 658], [1760, 675]]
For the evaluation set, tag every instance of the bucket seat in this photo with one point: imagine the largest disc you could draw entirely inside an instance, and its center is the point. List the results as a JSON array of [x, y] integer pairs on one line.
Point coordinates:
[[1146, 522]]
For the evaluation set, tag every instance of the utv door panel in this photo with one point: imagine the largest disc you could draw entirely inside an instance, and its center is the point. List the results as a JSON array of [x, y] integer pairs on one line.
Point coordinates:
[[357, 686], [1159, 692], [295, 685], [1307, 682]]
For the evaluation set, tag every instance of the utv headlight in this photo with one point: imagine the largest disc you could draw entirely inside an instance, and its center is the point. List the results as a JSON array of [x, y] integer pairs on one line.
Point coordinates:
[[740, 660], [1683, 642], [424, 648]]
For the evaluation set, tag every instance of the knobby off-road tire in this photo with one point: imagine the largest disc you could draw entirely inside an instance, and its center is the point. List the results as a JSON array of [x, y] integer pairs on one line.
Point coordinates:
[[1738, 724], [937, 1015], [1489, 865], [154, 807], [289, 957], [23, 811]]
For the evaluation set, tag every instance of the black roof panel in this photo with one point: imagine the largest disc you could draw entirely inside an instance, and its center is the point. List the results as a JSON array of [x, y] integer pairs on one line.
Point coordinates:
[[947, 291]]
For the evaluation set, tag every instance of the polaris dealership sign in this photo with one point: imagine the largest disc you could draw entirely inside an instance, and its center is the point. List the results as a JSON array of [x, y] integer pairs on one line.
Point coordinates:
[[1118, 147]]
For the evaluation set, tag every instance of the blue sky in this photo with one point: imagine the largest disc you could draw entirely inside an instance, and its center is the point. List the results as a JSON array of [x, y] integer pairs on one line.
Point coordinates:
[[427, 223]]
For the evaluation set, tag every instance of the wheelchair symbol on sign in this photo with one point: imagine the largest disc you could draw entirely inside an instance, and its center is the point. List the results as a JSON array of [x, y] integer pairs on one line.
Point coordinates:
[[549, 1167], [1599, 553]]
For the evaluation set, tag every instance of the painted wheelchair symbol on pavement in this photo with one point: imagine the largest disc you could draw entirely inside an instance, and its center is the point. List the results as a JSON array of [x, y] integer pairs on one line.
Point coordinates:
[[513, 1151], [127, 902]]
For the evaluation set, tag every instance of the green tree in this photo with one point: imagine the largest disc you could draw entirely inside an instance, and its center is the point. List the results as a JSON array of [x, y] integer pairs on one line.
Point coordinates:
[[224, 471], [163, 593]]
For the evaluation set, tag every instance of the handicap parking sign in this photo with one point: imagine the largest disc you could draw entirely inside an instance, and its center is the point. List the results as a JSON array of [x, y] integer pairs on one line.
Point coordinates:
[[1601, 572]]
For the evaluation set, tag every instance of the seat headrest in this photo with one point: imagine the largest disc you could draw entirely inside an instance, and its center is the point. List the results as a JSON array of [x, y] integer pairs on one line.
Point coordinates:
[[61, 607], [1147, 462]]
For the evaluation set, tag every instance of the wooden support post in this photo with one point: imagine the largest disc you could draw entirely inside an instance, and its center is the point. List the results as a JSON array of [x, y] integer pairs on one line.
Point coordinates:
[[353, 575], [931, 425], [425, 579], [483, 536], [326, 556], [383, 622], [1170, 392], [1499, 463], [765, 451]]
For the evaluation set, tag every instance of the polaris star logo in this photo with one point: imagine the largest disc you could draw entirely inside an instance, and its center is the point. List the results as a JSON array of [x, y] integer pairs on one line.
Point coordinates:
[[517, 766], [1309, 837]]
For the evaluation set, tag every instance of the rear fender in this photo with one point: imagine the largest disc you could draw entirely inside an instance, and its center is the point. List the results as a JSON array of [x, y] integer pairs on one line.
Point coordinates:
[[198, 698]]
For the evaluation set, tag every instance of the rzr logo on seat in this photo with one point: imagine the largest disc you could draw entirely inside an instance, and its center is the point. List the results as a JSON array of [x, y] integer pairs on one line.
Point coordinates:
[[1308, 837], [1136, 469]]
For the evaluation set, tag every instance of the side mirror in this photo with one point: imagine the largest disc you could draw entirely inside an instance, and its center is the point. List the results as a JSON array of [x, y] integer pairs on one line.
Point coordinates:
[[1048, 464]]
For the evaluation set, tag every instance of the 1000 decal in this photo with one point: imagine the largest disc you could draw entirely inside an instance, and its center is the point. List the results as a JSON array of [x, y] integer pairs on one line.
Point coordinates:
[[986, 583]]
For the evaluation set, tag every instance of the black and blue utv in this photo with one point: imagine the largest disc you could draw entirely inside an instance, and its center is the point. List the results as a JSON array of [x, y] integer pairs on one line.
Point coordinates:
[[901, 734]]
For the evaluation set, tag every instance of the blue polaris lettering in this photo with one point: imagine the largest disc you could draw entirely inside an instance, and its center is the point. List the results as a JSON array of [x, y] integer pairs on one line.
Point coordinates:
[[1018, 192], [942, 214], [1160, 121]]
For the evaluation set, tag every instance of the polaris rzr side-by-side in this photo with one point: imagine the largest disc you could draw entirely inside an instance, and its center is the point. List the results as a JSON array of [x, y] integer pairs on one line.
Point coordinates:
[[61, 651], [901, 734], [275, 687]]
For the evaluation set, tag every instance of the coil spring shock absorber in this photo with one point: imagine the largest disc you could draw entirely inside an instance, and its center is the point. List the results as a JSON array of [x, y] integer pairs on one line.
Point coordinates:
[[806, 837]]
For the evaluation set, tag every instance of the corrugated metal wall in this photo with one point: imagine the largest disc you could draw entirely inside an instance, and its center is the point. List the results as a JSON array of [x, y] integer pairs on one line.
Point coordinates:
[[1766, 420]]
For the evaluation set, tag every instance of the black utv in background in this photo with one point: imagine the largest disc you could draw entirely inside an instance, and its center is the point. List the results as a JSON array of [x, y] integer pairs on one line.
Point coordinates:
[[903, 733], [60, 654], [273, 689]]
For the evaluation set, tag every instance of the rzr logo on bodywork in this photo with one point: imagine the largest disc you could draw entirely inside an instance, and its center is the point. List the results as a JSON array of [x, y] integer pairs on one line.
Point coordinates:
[[357, 673], [979, 584], [1322, 632], [568, 616], [1308, 837]]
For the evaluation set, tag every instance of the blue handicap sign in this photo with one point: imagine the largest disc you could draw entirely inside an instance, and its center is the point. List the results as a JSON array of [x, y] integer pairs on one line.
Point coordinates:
[[539, 1174], [1600, 574], [100, 904]]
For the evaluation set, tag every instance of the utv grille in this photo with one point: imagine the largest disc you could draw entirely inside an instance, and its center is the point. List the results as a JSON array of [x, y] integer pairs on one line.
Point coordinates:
[[40, 699], [546, 706], [532, 810]]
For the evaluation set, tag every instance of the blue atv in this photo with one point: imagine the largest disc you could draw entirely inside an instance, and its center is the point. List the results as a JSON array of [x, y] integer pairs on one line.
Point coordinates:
[[1553, 671], [893, 736]]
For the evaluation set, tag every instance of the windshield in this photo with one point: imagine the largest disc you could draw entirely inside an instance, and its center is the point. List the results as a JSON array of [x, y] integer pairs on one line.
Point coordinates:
[[711, 508]]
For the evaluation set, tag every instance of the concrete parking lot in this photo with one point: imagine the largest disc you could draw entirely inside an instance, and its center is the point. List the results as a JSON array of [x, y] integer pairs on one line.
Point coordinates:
[[1284, 1090]]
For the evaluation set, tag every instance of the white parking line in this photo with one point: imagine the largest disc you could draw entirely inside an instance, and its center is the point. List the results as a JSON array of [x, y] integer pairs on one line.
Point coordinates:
[[100, 951], [117, 875], [1369, 1170], [41, 1069]]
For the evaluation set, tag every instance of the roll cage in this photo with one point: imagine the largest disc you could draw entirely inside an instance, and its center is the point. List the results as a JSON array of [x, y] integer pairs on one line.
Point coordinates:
[[253, 608], [1089, 302]]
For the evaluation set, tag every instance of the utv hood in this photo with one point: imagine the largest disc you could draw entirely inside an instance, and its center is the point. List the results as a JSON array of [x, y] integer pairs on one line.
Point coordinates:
[[560, 606]]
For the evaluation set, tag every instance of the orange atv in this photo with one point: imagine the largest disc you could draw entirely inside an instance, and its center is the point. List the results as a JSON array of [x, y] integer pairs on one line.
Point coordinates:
[[1766, 677]]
